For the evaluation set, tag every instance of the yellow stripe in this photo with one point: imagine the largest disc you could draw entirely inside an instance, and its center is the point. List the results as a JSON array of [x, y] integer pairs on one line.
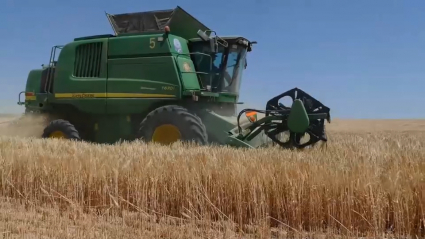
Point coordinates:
[[32, 97], [111, 95], [80, 95], [137, 95]]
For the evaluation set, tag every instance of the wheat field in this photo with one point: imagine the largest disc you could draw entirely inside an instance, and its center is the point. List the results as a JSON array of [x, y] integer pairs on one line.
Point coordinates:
[[369, 181]]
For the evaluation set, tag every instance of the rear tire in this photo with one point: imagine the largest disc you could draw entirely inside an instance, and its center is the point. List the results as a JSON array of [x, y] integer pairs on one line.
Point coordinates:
[[60, 128], [167, 124]]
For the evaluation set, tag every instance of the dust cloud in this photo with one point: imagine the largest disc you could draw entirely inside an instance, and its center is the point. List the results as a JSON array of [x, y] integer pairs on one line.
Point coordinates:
[[22, 126]]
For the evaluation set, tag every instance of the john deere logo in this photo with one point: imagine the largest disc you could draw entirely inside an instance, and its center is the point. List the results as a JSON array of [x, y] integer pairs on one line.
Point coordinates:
[[186, 66]]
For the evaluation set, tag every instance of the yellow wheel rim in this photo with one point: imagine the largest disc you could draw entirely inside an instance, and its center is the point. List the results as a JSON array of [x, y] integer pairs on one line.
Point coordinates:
[[57, 134], [166, 134]]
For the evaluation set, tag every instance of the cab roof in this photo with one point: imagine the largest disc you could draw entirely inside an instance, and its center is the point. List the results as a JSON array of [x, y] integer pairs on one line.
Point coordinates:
[[222, 37]]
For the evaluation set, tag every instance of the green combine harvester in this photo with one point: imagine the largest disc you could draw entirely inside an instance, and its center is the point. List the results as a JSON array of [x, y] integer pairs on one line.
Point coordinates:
[[162, 77]]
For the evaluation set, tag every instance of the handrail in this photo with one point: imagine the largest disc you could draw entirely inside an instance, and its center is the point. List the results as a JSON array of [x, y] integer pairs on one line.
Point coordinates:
[[19, 98], [197, 72], [52, 64]]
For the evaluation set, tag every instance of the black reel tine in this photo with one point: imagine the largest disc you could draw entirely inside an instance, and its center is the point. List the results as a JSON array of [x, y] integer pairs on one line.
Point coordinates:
[[315, 131]]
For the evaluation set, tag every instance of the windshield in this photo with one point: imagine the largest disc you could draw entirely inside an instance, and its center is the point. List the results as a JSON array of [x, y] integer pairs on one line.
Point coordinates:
[[221, 78], [232, 73]]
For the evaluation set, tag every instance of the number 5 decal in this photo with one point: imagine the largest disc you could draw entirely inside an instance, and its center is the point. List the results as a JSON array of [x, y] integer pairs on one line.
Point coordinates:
[[152, 42]]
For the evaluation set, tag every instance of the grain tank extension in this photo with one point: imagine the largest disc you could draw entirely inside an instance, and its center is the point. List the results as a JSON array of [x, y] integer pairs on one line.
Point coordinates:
[[162, 77]]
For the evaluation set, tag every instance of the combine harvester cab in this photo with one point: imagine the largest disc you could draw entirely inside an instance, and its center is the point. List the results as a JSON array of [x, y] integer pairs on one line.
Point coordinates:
[[161, 77]]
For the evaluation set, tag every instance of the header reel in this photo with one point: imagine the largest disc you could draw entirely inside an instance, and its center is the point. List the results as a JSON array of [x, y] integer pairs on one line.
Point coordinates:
[[306, 116]]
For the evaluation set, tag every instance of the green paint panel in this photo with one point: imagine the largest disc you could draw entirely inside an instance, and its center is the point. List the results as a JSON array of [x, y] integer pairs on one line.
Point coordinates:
[[298, 120], [227, 98], [34, 81], [188, 74], [135, 105], [112, 127], [143, 75], [186, 68], [138, 46], [84, 105], [81, 68], [178, 46], [33, 85]]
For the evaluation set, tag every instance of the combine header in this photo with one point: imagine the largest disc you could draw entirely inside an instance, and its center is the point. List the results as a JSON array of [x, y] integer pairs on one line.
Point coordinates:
[[161, 78]]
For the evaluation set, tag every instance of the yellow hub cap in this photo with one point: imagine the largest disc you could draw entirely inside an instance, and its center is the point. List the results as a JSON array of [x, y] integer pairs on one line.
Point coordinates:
[[57, 134], [166, 134]]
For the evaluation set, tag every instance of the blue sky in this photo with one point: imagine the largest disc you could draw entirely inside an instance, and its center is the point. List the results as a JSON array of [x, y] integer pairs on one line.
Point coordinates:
[[363, 59]]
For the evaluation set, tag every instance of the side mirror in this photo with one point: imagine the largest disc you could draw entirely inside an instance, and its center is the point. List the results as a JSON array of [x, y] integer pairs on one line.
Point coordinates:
[[213, 41], [202, 35], [213, 45]]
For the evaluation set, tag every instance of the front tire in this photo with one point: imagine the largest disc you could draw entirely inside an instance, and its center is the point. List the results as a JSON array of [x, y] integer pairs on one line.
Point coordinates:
[[168, 124], [61, 129]]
